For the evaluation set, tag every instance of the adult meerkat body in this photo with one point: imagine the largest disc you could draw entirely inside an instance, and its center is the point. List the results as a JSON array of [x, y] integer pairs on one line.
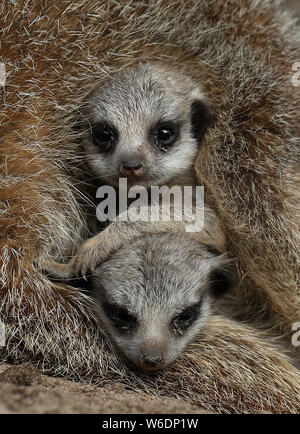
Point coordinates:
[[247, 162]]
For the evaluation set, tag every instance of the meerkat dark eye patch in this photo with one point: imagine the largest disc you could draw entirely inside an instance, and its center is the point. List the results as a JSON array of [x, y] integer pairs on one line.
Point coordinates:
[[186, 318], [104, 136], [201, 118], [221, 281], [120, 317], [165, 135]]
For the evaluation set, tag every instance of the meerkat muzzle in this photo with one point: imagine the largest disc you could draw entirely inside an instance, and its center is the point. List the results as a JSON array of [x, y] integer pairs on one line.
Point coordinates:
[[152, 360], [132, 169]]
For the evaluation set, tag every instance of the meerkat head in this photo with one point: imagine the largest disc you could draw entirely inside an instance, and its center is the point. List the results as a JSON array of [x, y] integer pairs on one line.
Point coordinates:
[[145, 124], [154, 296]]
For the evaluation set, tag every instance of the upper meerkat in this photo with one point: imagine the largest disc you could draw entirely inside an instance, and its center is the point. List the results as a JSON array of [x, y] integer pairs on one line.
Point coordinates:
[[145, 123]]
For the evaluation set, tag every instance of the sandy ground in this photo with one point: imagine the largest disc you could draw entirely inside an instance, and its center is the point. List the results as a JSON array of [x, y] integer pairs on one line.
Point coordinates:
[[24, 390]]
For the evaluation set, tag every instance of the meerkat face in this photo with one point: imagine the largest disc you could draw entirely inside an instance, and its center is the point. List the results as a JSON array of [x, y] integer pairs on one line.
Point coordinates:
[[154, 296], [144, 124]]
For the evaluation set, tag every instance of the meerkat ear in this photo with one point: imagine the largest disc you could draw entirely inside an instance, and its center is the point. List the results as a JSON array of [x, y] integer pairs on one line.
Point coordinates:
[[201, 118], [221, 281]]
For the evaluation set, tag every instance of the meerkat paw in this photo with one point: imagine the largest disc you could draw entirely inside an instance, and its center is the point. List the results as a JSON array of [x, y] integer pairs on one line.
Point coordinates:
[[87, 258], [55, 269]]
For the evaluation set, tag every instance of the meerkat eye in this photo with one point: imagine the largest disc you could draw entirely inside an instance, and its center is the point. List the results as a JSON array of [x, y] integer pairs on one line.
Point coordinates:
[[165, 135], [121, 318], [182, 321], [103, 136]]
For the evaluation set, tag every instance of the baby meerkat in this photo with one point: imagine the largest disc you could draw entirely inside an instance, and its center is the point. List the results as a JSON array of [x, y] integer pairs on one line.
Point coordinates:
[[145, 124], [155, 294]]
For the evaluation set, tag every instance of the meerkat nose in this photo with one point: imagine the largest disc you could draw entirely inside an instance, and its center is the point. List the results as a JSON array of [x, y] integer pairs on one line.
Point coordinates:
[[132, 168], [152, 360]]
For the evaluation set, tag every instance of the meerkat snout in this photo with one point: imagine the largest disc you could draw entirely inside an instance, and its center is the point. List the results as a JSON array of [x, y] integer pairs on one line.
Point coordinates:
[[144, 123], [152, 356], [132, 167], [154, 295]]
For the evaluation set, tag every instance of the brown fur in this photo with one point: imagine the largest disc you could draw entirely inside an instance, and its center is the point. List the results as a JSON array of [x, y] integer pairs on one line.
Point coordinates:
[[248, 164]]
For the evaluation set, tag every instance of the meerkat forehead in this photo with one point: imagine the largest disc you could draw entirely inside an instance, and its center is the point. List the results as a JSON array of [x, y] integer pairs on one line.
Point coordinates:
[[146, 90], [165, 273]]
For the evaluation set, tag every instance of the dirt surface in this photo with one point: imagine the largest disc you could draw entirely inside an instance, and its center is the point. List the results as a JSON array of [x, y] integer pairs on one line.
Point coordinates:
[[24, 390]]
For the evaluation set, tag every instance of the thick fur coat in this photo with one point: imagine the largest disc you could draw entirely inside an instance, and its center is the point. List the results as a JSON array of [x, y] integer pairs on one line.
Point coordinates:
[[241, 52]]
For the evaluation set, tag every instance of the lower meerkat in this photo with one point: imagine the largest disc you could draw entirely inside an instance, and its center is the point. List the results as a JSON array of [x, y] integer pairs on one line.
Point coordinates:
[[155, 295], [248, 162]]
